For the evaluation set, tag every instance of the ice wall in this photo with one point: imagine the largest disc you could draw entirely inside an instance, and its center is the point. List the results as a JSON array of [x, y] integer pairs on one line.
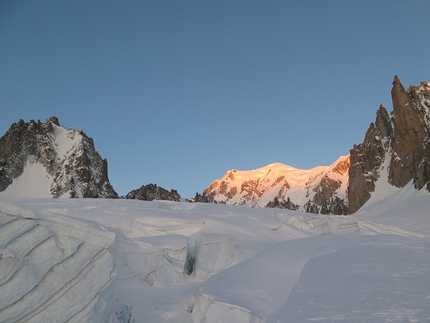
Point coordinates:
[[172, 258], [205, 309], [151, 259], [326, 225], [213, 253], [49, 272]]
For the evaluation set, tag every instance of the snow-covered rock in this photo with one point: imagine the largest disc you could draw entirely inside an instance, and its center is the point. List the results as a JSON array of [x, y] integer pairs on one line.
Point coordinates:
[[322, 189], [47, 160], [152, 192]]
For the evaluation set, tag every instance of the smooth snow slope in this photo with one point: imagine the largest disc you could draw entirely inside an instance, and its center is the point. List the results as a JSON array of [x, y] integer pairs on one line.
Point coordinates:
[[34, 181], [183, 262]]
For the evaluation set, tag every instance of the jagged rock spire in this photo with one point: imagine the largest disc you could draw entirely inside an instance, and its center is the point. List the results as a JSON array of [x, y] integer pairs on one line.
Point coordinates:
[[409, 137], [53, 120], [400, 140]]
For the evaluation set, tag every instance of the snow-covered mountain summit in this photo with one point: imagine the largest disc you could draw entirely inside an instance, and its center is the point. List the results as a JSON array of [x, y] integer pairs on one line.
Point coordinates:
[[48, 160], [322, 189]]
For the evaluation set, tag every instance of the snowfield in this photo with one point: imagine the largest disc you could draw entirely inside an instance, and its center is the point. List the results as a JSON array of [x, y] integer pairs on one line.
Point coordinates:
[[99, 260]]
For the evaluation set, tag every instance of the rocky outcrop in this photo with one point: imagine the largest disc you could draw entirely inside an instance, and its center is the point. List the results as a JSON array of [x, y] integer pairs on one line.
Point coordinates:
[[283, 204], [367, 159], [69, 157], [152, 192], [410, 143], [396, 144], [318, 190]]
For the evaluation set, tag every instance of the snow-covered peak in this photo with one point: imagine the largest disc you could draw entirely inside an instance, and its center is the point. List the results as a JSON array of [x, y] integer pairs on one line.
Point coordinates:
[[48, 160], [65, 140], [293, 188]]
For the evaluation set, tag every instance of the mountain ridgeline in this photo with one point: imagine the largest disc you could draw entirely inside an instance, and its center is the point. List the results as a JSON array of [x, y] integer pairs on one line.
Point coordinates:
[[395, 151], [322, 189], [48, 160]]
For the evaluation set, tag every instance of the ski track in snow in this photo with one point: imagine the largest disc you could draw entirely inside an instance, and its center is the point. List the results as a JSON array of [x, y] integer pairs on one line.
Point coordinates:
[[97, 260]]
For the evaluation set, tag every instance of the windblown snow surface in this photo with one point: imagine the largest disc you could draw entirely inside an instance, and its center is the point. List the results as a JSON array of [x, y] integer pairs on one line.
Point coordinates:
[[98, 260]]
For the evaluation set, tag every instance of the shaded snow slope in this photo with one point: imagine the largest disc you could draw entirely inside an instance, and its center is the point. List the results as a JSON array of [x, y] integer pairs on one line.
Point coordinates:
[[34, 182], [366, 279], [408, 209]]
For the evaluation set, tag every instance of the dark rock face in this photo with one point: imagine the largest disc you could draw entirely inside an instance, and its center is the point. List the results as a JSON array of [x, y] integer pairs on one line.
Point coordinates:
[[203, 198], [410, 159], [400, 142], [152, 192], [283, 204], [78, 171], [366, 160]]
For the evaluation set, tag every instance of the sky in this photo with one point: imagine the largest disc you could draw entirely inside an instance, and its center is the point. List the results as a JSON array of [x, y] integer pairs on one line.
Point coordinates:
[[177, 93]]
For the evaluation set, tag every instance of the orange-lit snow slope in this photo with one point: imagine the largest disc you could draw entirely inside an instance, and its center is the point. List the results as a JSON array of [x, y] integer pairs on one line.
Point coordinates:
[[302, 187]]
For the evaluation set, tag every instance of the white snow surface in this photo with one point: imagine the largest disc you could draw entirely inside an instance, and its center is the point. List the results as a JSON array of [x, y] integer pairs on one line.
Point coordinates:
[[34, 182], [99, 260], [65, 140]]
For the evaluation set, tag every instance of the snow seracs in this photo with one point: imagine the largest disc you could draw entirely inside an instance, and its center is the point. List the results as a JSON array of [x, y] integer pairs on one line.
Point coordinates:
[[322, 189], [53, 269], [396, 147], [47, 160]]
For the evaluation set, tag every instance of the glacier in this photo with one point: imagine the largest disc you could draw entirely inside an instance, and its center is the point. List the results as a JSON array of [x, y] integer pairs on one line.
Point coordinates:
[[128, 261], [53, 270]]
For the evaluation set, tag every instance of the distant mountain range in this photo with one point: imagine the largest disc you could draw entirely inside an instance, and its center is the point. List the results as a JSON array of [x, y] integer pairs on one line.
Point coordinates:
[[395, 151], [48, 160], [322, 189]]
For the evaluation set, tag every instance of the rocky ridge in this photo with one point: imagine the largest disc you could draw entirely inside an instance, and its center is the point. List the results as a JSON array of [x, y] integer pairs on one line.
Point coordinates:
[[69, 157], [152, 192], [396, 147]]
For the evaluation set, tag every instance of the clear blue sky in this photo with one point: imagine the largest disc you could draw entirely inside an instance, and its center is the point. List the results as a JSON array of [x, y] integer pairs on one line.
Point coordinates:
[[178, 92]]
